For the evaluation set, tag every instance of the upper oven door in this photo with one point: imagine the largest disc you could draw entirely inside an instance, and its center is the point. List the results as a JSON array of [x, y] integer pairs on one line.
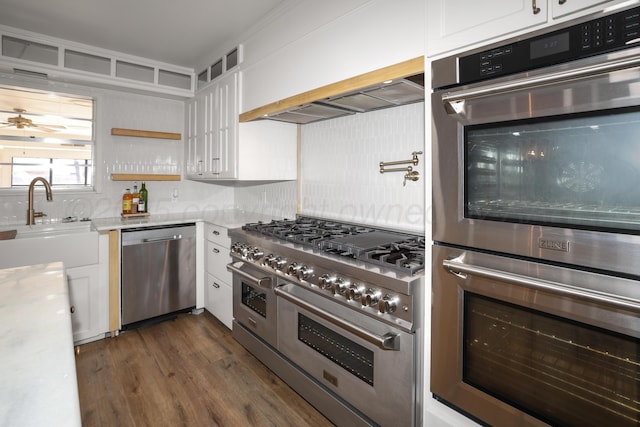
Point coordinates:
[[543, 164]]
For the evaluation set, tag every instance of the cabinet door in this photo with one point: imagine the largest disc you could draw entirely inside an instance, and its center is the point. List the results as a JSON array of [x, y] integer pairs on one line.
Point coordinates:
[[217, 260], [561, 8], [228, 126], [190, 109], [84, 298], [218, 234], [453, 24], [219, 300]]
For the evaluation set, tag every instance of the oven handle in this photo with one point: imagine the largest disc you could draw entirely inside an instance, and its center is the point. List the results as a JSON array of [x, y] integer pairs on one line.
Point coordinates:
[[388, 341], [460, 269], [454, 101], [264, 282]]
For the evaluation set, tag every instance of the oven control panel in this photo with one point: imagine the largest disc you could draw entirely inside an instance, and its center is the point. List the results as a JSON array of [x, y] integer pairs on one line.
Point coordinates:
[[367, 296], [604, 34]]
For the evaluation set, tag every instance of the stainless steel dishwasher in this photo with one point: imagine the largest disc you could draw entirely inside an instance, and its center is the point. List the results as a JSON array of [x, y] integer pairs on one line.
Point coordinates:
[[158, 272]]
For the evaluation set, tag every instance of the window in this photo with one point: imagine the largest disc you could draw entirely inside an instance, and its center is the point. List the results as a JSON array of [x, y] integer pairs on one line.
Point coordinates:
[[45, 134], [65, 171]]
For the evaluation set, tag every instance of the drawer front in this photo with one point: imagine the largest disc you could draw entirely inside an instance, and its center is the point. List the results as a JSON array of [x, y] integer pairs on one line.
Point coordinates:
[[219, 300], [217, 260], [218, 234]]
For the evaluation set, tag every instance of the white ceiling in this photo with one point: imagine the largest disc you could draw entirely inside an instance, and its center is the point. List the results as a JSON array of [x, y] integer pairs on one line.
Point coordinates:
[[179, 32]]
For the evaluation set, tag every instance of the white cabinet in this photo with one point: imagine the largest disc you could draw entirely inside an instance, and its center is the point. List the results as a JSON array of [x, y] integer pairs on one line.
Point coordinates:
[[85, 299], [218, 292], [454, 24], [220, 149], [561, 8]]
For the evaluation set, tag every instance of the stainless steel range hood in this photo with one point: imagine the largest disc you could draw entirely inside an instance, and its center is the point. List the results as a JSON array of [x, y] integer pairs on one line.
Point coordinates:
[[390, 93]]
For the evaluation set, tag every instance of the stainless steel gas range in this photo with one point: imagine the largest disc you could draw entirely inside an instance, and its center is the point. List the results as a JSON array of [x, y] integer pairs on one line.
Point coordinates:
[[334, 309]]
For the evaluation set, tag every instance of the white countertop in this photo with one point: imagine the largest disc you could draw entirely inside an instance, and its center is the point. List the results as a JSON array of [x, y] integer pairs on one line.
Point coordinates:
[[38, 385], [229, 218]]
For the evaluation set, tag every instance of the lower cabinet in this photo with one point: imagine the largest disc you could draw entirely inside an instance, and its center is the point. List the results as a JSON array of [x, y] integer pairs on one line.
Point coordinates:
[[218, 300], [218, 297], [87, 319]]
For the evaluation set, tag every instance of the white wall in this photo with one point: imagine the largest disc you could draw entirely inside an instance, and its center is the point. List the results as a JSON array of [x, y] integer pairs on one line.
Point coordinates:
[[123, 110]]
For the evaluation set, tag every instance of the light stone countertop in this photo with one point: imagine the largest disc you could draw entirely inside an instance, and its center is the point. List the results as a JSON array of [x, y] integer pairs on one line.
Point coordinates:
[[38, 385], [229, 218]]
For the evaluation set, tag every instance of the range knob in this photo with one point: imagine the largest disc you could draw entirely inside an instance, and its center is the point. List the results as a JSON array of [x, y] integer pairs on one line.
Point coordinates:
[[268, 260], [304, 272], [325, 281], [339, 286], [255, 254], [355, 292], [279, 263], [370, 298], [388, 304], [237, 247], [293, 268], [244, 251]]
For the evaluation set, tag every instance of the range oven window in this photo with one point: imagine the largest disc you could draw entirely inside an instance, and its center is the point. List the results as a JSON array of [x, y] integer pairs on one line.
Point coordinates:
[[254, 299], [340, 350], [563, 372], [580, 170]]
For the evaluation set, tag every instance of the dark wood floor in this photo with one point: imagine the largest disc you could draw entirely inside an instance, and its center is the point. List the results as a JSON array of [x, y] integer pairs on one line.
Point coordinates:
[[183, 372]]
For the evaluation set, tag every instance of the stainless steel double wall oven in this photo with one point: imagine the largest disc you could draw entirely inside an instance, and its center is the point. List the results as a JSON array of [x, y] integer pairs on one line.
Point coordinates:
[[536, 277], [335, 310]]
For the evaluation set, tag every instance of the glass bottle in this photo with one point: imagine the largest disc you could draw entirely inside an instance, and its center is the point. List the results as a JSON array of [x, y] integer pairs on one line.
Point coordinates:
[[135, 199], [127, 199], [143, 200]]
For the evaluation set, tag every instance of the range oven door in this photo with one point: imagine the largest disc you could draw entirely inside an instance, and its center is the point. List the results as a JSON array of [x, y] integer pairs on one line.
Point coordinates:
[[522, 343], [254, 303], [543, 164], [368, 363]]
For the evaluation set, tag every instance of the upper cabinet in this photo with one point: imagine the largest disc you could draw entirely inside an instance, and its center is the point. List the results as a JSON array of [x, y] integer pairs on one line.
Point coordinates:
[[218, 148], [455, 24]]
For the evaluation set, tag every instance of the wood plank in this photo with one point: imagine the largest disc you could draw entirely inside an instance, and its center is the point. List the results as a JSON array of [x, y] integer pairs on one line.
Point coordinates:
[[403, 69], [144, 177], [184, 372], [114, 281], [145, 133]]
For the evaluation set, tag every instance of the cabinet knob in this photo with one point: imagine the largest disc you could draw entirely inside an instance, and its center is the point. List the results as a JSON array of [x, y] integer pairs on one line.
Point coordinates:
[[534, 5], [216, 250], [73, 309], [215, 285], [216, 232]]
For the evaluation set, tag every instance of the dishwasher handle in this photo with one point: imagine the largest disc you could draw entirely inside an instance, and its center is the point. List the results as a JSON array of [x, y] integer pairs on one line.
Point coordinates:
[[163, 239]]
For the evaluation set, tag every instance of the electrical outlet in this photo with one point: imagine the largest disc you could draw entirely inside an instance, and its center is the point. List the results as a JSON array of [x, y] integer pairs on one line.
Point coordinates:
[[174, 195]]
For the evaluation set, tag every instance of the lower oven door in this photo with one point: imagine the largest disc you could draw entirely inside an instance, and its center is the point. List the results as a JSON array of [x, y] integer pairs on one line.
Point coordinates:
[[368, 363], [522, 343], [254, 303]]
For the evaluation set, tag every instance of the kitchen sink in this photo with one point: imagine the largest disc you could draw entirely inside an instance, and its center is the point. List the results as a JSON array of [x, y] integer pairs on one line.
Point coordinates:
[[73, 243], [53, 229]]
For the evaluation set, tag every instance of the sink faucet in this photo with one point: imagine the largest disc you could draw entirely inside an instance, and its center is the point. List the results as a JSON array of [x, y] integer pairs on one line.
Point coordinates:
[[31, 215]]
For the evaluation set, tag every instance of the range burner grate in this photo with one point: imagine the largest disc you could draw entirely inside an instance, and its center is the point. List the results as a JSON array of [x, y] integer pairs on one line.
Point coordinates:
[[397, 251]]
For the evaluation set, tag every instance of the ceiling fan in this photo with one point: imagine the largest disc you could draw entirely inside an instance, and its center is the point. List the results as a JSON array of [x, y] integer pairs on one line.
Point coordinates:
[[21, 122]]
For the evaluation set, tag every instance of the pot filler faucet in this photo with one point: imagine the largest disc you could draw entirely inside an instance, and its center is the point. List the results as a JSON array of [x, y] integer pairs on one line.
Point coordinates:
[[31, 215]]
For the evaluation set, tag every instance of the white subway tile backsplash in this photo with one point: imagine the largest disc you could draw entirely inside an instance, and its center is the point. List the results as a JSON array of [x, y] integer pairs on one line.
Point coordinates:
[[340, 173]]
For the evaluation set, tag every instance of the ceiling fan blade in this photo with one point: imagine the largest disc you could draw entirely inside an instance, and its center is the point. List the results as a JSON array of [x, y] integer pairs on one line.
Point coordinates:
[[53, 126], [42, 128]]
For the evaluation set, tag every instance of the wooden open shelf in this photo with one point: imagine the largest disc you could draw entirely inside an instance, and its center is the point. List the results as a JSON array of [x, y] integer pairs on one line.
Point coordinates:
[[143, 177], [145, 133]]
